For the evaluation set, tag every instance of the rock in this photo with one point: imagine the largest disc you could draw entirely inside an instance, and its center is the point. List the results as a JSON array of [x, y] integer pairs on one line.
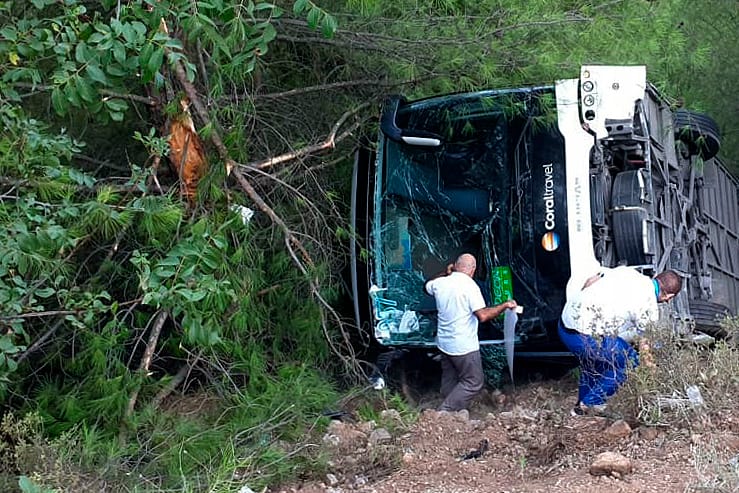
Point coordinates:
[[336, 427], [380, 436], [619, 429], [332, 479], [246, 489], [430, 413], [463, 415], [648, 433], [519, 413], [359, 481], [331, 440], [366, 427], [731, 441], [590, 423], [391, 415], [528, 414], [343, 436], [611, 464], [498, 397]]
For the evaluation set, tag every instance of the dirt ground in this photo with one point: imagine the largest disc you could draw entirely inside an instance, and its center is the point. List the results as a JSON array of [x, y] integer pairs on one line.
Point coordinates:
[[533, 445]]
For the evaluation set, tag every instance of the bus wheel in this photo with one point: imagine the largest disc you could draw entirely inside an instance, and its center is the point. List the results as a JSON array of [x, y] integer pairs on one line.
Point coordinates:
[[699, 132], [708, 317]]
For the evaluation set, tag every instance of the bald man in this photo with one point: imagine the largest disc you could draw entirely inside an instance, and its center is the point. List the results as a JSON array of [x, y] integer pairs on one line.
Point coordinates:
[[460, 308]]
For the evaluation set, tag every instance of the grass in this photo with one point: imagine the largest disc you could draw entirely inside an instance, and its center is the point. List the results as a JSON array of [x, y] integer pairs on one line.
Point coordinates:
[[717, 469], [659, 396], [196, 443], [203, 443]]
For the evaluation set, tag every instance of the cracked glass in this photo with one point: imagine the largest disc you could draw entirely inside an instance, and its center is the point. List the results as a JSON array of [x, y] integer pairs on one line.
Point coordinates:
[[481, 191]]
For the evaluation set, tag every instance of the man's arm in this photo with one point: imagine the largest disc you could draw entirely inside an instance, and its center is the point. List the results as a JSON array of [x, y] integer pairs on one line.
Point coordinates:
[[448, 270], [489, 313]]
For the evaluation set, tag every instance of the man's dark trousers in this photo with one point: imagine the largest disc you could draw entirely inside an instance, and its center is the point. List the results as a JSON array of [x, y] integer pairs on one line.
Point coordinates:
[[461, 380]]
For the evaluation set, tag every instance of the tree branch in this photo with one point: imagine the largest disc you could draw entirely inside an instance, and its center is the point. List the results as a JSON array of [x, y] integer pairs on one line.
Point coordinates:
[[49, 313], [330, 42], [372, 41], [328, 143], [40, 341], [323, 87], [151, 345], [15, 182], [105, 92], [178, 378], [291, 241]]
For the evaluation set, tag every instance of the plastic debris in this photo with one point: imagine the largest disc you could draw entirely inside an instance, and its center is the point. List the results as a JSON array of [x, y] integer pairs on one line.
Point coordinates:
[[243, 211], [408, 322], [694, 396], [478, 452], [378, 383], [509, 337]]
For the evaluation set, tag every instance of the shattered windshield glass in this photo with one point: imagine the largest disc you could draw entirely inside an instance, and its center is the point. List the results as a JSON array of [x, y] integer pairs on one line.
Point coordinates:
[[473, 193]]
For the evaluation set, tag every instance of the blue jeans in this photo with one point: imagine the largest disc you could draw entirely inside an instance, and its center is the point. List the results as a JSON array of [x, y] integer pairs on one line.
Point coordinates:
[[604, 362]]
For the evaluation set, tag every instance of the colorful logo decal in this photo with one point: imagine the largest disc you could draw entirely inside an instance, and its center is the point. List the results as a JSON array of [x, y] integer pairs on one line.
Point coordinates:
[[550, 241], [549, 196]]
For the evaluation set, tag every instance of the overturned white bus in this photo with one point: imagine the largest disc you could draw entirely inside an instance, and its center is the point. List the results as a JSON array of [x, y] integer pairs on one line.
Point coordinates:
[[542, 184]]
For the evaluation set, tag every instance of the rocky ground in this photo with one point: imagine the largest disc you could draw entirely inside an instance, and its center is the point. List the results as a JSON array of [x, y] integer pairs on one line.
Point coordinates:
[[525, 440]]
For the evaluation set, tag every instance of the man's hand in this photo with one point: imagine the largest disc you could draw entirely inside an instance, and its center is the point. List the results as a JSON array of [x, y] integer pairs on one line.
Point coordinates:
[[646, 357], [509, 305], [489, 313]]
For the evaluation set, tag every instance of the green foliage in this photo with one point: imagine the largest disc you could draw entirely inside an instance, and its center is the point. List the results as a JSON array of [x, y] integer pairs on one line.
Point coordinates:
[[502, 44], [156, 146], [84, 56], [373, 407], [451, 46], [242, 440], [27, 149], [316, 17], [704, 81]]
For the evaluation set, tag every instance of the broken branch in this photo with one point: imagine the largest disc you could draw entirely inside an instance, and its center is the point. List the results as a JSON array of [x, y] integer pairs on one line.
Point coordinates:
[[328, 143], [178, 378], [291, 241], [151, 345], [104, 92]]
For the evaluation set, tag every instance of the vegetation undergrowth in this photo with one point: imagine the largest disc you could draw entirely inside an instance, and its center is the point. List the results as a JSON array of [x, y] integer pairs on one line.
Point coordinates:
[[692, 389], [690, 383]]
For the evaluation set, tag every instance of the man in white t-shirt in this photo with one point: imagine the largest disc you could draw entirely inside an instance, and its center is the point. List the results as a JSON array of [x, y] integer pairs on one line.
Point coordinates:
[[460, 307], [601, 321]]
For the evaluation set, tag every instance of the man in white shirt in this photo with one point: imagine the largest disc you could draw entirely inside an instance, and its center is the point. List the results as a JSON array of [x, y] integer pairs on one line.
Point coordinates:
[[601, 321], [460, 308]]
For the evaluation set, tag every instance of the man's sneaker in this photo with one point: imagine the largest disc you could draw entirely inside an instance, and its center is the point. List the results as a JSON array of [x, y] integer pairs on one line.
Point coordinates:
[[594, 410]]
